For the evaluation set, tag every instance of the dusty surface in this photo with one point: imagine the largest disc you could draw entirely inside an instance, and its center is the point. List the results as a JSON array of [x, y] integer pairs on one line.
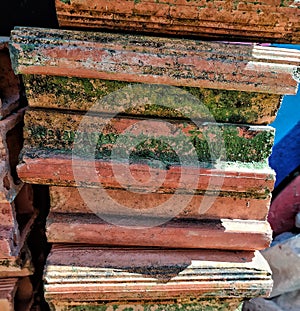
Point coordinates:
[[177, 62]]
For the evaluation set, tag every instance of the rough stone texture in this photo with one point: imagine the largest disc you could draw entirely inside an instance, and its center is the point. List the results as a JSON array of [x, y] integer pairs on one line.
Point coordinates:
[[177, 62], [154, 279], [275, 21], [11, 142], [284, 261], [225, 205], [285, 302], [9, 82], [213, 234], [288, 301], [79, 94], [285, 207], [55, 169], [150, 138], [261, 304]]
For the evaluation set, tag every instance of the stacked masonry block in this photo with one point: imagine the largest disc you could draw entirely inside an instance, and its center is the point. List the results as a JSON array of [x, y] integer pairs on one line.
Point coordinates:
[[16, 199], [85, 89], [266, 20]]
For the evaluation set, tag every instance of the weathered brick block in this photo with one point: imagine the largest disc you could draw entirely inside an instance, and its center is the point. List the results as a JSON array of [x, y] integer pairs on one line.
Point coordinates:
[[57, 169], [112, 97], [271, 21], [225, 205], [222, 234], [169, 141], [9, 82], [154, 60], [144, 279]]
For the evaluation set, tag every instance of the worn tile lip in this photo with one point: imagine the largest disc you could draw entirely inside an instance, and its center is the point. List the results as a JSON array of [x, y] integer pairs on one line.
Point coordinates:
[[115, 56], [205, 276], [46, 159], [223, 235], [22, 34], [60, 196]]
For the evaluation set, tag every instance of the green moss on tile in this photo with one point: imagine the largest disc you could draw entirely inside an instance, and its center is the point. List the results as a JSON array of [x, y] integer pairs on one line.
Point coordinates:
[[239, 148], [83, 94], [209, 304], [240, 144]]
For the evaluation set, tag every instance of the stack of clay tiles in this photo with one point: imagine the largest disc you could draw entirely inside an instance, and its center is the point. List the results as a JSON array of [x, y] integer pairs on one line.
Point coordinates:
[[85, 89], [16, 205]]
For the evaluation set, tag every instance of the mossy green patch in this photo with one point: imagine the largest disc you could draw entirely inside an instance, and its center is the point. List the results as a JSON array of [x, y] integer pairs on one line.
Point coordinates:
[[174, 150], [209, 304], [108, 96]]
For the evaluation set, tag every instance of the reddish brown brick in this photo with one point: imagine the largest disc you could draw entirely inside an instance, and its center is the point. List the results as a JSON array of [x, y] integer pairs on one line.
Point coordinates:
[[196, 278], [221, 234], [233, 206], [154, 60], [271, 21], [55, 169]]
